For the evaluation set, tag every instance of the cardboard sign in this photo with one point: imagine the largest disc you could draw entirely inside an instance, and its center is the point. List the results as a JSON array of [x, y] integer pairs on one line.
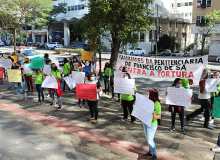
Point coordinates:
[[78, 76], [47, 69], [124, 86], [70, 82], [143, 109], [5, 63], [15, 58], [86, 55], [212, 85], [191, 68], [1, 72], [50, 82], [14, 75], [86, 91], [26, 68], [179, 96], [216, 107]]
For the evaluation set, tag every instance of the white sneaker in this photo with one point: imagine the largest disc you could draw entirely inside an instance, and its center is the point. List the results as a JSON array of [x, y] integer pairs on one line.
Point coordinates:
[[215, 149], [211, 121], [202, 119], [48, 95]]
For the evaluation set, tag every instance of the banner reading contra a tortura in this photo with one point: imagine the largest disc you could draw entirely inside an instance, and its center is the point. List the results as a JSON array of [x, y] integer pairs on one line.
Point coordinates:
[[163, 67]]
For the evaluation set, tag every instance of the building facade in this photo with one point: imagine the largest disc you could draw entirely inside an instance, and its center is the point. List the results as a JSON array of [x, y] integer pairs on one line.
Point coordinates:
[[212, 43]]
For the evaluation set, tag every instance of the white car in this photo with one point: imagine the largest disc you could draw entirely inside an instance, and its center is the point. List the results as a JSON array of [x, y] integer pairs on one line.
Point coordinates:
[[54, 45], [2, 44], [136, 51], [178, 53]]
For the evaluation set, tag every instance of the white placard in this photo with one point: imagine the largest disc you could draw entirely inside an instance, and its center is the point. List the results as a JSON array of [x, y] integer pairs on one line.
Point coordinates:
[[124, 86], [211, 85], [47, 69], [143, 109], [5, 63], [50, 82], [70, 82], [27, 69], [179, 96], [78, 76]]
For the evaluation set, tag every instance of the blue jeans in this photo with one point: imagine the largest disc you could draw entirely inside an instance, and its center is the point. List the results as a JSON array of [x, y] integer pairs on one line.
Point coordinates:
[[40, 92], [218, 142], [149, 133], [64, 83], [21, 85], [11, 83]]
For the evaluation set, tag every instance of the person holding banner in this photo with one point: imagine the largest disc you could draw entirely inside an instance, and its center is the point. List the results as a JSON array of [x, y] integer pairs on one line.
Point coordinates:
[[112, 82], [66, 72], [56, 73], [128, 102], [150, 131], [93, 104], [204, 97], [87, 69], [13, 66], [22, 83], [28, 78]]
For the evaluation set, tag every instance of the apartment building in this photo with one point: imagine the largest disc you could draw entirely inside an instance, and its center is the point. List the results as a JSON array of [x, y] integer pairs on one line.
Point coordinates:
[[200, 9]]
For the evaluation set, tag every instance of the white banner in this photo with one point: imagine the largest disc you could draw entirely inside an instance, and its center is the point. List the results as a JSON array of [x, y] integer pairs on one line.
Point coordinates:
[[212, 85], [179, 96], [78, 76], [50, 82], [47, 69], [124, 86], [163, 67], [26, 68], [70, 82], [143, 109], [5, 63]]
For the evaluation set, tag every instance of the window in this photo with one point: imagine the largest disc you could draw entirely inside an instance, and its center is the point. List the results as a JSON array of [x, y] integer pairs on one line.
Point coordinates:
[[68, 8], [186, 3], [199, 2], [190, 3], [172, 5], [201, 21], [142, 35], [186, 14], [72, 8], [79, 7], [178, 4], [82, 6], [176, 34], [190, 14], [209, 3], [75, 7]]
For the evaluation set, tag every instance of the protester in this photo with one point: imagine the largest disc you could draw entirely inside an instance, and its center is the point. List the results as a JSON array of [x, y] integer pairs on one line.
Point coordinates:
[[79, 104], [75, 63], [66, 72], [87, 69], [28, 78], [93, 104], [150, 131], [56, 73], [124, 69], [112, 82], [127, 102], [185, 83], [20, 57], [217, 147], [38, 82], [4, 70], [177, 109], [13, 66], [46, 58], [205, 104], [22, 83], [107, 70]]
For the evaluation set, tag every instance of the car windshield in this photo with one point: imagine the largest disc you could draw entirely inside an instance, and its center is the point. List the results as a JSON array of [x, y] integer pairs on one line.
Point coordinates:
[[30, 52]]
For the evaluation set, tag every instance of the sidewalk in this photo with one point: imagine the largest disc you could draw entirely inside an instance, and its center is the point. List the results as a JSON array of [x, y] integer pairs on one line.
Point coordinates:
[[194, 144]]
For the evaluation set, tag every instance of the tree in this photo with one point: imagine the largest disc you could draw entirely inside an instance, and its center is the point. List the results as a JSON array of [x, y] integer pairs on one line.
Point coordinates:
[[117, 20], [15, 12], [167, 42], [60, 8], [209, 28]]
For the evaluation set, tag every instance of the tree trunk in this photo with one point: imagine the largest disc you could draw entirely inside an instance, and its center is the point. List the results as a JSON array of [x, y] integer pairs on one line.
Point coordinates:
[[115, 50], [94, 61], [15, 32], [123, 49], [203, 44]]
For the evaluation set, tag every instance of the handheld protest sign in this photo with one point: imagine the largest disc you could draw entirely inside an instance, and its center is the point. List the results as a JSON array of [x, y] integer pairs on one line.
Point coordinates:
[[124, 86], [14, 75], [78, 76], [37, 62], [1, 72], [86, 91], [86, 55], [50, 82]]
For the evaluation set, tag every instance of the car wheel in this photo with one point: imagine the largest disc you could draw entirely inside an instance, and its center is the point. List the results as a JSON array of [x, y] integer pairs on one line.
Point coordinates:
[[164, 54], [132, 53], [219, 60], [142, 54]]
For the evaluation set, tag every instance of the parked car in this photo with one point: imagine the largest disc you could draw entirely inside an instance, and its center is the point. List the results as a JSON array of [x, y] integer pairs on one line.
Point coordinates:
[[166, 52], [2, 44], [54, 45], [186, 54], [178, 53], [136, 51], [30, 53], [83, 46], [42, 45]]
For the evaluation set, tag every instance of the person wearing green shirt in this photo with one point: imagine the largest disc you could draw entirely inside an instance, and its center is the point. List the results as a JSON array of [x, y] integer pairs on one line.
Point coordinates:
[[107, 70], [150, 130], [66, 72], [128, 102], [112, 82], [28, 78], [185, 83], [38, 82]]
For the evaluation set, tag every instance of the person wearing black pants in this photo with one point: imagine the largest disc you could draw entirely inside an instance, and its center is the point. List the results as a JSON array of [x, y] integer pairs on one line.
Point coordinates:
[[93, 107], [112, 82]]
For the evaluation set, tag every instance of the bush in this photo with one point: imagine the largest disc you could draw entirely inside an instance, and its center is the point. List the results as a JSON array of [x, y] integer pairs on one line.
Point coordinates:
[[70, 50], [78, 51], [59, 50]]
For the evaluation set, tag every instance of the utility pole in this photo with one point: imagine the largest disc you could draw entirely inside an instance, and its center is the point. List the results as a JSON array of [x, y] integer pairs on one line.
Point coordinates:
[[156, 33]]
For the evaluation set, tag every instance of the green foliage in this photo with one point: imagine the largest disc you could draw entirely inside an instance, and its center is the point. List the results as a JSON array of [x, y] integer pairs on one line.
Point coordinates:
[[116, 20], [190, 47], [167, 42], [78, 51], [69, 50]]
